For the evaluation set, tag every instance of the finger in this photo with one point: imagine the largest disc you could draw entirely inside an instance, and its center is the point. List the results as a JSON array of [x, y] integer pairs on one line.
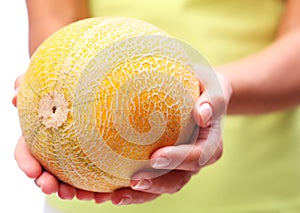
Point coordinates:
[[208, 106], [189, 157], [169, 182], [84, 195], [66, 192], [210, 142], [128, 196], [216, 89], [18, 81], [102, 197], [211, 81], [16, 86], [47, 182], [218, 154], [182, 157], [202, 113], [14, 100], [27, 163]]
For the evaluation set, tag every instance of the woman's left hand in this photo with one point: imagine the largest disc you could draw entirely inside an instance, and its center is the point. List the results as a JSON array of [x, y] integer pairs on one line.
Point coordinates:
[[183, 161]]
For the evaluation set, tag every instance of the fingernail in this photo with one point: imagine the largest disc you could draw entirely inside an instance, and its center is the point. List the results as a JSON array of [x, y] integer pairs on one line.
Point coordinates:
[[143, 184], [99, 201], [36, 183], [124, 200], [161, 163], [206, 113], [203, 160], [101, 198]]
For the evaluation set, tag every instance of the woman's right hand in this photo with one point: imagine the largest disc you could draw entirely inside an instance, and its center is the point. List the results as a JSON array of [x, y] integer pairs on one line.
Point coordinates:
[[47, 182]]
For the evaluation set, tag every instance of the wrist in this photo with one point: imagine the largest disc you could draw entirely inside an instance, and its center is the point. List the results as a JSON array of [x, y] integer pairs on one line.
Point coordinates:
[[227, 89]]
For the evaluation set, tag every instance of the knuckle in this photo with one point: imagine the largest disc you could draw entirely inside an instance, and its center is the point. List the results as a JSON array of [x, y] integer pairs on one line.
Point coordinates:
[[220, 154], [175, 189], [195, 167], [18, 81], [219, 105], [182, 181]]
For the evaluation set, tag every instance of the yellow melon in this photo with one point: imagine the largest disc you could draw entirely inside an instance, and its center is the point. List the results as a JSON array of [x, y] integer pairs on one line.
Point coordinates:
[[101, 95]]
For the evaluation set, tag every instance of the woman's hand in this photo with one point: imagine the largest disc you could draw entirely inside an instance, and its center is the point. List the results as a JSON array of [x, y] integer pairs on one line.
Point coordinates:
[[183, 161], [46, 181]]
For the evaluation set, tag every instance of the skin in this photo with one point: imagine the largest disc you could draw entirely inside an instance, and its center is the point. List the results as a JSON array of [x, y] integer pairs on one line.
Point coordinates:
[[268, 88], [274, 85]]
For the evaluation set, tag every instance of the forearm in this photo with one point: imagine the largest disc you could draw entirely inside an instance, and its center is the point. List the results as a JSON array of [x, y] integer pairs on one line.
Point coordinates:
[[268, 80], [291, 17], [47, 16]]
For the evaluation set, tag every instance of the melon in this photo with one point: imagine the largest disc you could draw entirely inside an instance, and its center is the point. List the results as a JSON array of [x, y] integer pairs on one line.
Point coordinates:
[[101, 95]]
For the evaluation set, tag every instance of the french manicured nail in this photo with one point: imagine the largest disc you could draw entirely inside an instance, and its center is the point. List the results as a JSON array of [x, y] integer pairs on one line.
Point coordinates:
[[161, 163], [124, 200], [143, 184], [205, 113], [102, 198], [16, 91], [37, 183]]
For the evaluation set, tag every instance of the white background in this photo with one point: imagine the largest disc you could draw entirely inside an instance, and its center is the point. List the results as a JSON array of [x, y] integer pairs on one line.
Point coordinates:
[[17, 192]]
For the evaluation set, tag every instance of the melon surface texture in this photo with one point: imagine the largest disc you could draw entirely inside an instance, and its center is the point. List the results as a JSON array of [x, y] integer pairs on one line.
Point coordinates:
[[101, 95]]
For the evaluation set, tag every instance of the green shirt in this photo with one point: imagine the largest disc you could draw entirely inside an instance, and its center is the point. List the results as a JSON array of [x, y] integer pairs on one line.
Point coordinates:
[[259, 170]]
